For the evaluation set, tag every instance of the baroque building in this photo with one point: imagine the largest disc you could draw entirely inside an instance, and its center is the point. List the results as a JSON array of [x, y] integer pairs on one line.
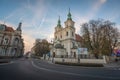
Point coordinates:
[[66, 41], [11, 41]]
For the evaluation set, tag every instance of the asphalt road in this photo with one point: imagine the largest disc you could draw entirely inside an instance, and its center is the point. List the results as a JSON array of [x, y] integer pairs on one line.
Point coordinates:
[[32, 69]]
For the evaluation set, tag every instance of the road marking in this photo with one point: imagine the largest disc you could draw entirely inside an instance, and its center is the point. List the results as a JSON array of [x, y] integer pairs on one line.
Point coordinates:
[[116, 69], [75, 74]]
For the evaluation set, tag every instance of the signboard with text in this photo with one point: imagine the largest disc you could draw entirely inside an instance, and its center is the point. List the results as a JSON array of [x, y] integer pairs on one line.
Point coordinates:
[[82, 51]]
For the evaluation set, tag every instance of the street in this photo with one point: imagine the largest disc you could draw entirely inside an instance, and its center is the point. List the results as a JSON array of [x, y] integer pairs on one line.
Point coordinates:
[[34, 69]]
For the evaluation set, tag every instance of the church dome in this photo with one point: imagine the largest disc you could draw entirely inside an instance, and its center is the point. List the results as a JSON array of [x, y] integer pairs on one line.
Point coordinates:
[[58, 46]]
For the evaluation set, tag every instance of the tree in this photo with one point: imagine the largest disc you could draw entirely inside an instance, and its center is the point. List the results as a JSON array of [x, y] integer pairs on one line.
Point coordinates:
[[99, 36], [41, 47]]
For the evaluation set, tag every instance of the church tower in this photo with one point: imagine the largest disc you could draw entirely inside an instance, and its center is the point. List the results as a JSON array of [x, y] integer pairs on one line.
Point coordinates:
[[58, 30], [69, 26], [69, 22], [64, 38], [58, 27], [70, 34], [19, 27], [19, 30]]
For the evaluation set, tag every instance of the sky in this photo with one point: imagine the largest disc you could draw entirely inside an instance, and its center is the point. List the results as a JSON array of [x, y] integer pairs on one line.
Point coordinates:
[[39, 17]]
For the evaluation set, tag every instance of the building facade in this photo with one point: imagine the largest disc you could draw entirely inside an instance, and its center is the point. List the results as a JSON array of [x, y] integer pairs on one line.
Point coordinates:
[[11, 41], [66, 41]]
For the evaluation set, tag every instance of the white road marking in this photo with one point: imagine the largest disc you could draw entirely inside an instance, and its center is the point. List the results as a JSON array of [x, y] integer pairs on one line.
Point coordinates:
[[75, 74], [116, 69]]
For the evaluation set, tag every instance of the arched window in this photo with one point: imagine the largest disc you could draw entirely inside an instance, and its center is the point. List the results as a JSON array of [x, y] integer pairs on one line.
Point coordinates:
[[13, 51], [72, 34], [55, 37], [66, 33], [3, 51], [61, 36], [67, 54], [6, 41], [74, 54], [16, 41]]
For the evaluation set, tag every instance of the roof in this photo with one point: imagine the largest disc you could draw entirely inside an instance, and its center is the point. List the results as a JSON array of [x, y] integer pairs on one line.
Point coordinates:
[[10, 29], [78, 38], [4, 27]]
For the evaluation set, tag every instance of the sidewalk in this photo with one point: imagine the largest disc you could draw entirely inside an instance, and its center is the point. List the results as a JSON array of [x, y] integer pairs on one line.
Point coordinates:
[[4, 61], [112, 64]]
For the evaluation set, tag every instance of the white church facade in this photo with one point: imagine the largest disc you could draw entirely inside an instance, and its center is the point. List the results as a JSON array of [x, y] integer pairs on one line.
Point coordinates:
[[66, 42]]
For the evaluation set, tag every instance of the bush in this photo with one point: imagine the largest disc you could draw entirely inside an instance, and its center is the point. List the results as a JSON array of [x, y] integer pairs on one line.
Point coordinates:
[[80, 64]]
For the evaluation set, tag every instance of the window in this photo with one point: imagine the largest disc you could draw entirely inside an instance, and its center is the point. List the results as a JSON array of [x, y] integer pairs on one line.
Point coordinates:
[[67, 55], [72, 34], [5, 41], [16, 41], [74, 54], [55, 37], [66, 33], [3, 52], [61, 36]]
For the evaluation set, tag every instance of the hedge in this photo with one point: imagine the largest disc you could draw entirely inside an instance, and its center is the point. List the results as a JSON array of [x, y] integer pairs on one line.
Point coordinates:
[[81, 64]]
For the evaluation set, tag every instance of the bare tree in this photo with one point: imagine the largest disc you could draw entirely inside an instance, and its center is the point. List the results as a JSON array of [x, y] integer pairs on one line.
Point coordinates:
[[41, 47], [99, 36]]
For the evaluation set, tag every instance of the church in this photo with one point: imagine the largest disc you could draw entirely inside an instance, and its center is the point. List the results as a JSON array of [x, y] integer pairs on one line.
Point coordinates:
[[11, 41], [66, 42]]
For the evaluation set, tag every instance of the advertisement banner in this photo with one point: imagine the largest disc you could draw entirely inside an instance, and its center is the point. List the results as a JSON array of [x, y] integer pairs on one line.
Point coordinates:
[[82, 51]]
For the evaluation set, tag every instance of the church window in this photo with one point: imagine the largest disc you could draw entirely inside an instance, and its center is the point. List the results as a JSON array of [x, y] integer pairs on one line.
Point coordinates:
[[66, 33], [72, 34], [61, 36], [67, 54], [74, 54]]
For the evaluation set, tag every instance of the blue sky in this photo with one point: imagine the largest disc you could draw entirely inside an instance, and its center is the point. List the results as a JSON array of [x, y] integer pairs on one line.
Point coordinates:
[[39, 17]]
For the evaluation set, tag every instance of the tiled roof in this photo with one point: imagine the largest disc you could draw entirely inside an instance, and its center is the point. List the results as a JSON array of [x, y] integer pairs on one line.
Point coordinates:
[[10, 29], [78, 37]]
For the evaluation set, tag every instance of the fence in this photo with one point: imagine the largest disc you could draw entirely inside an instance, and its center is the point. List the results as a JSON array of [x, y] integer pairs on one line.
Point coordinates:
[[79, 56], [79, 60]]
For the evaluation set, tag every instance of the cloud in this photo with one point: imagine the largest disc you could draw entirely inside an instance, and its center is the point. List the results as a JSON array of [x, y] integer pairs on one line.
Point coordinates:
[[91, 13], [95, 8], [33, 17], [28, 40], [79, 20], [37, 22], [103, 1], [118, 26], [8, 24]]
